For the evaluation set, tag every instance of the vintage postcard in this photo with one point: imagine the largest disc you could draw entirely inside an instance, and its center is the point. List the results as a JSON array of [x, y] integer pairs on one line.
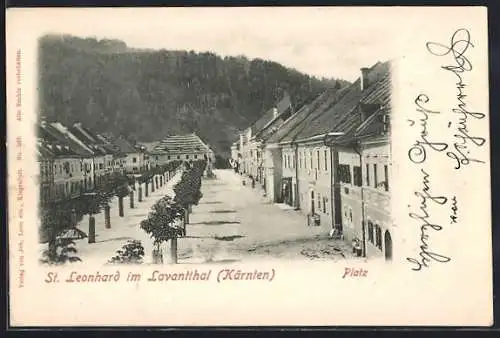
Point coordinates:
[[249, 166]]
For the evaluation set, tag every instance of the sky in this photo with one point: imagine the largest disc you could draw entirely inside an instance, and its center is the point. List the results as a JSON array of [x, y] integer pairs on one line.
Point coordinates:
[[324, 42]]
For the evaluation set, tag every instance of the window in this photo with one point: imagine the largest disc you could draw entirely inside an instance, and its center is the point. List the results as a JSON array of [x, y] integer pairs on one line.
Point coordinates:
[[317, 159], [168, 157], [370, 232], [187, 157], [367, 175], [156, 157], [81, 166], [101, 165], [324, 204], [319, 201], [326, 160], [195, 157], [375, 180], [344, 173], [386, 174], [134, 160], [378, 237], [357, 176], [178, 157], [293, 161]]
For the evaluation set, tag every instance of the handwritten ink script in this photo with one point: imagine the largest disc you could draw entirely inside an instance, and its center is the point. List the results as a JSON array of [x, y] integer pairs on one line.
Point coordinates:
[[427, 224], [460, 147]]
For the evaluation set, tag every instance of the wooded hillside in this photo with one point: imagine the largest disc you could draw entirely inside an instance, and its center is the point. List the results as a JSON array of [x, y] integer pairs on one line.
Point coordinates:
[[146, 94]]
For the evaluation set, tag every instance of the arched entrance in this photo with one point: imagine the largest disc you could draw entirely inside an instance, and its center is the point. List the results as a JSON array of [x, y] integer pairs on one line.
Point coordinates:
[[388, 245]]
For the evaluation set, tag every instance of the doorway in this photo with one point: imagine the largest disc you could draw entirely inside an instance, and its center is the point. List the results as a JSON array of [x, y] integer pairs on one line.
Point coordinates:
[[388, 246]]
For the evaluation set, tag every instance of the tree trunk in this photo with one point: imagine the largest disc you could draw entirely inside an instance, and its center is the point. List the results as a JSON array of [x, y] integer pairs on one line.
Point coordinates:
[[120, 206], [186, 214], [156, 180], [152, 185], [161, 181], [173, 250], [52, 246], [146, 192], [107, 216], [140, 193], [157, 255], [131, 200], [91, 229]]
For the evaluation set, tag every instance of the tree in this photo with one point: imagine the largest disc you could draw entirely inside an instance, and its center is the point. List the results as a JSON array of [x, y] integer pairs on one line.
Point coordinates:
[[161, 225], [221, 94], [56, 218], [188, 189]]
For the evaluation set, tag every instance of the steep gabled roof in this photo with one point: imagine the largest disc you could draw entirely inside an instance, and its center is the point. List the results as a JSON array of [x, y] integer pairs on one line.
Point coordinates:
[[268, 119], [181, 144], [374, 125], [109, 146], [317, 107], [66, 139], [76, 144], [341, 116], [152, 148], [88, 138], [124, 146], [378, 96], [294, 120]]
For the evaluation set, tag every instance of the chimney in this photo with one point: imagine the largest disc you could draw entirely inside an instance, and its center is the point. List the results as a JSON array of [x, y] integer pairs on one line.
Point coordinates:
[[364, 78], [275, 112]]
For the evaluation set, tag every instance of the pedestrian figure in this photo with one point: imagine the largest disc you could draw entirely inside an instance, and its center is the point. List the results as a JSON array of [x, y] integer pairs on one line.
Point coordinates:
[[253, 182]]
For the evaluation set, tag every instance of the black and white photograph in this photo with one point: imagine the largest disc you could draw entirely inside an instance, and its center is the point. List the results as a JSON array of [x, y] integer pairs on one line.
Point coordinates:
[[150, 153], [167, 161]]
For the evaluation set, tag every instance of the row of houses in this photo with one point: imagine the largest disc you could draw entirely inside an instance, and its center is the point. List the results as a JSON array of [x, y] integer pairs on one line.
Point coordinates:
[[74, 159], [330, 159]]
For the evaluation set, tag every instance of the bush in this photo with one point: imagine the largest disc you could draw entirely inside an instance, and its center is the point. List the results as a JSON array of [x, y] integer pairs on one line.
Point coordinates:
[[64, 252], [130, 253]]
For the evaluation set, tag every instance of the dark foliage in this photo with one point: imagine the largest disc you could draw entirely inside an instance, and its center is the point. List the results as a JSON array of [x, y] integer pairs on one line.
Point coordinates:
[[63, 252], [161, 222], [130, 253]]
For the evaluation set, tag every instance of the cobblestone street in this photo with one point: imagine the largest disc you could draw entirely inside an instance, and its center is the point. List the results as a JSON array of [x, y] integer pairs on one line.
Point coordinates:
[[234, 222]]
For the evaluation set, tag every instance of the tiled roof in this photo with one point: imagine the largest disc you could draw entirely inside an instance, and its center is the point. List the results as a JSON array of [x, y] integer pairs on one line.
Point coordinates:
[[268, 118], [50, 146], [88, 138], [109, 146], [374, 125], [379, 94], [181, 144], [74, 143], [317, 107], [294, 120], [152, 148], [124, 146], [61, 141], [341, 116]]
